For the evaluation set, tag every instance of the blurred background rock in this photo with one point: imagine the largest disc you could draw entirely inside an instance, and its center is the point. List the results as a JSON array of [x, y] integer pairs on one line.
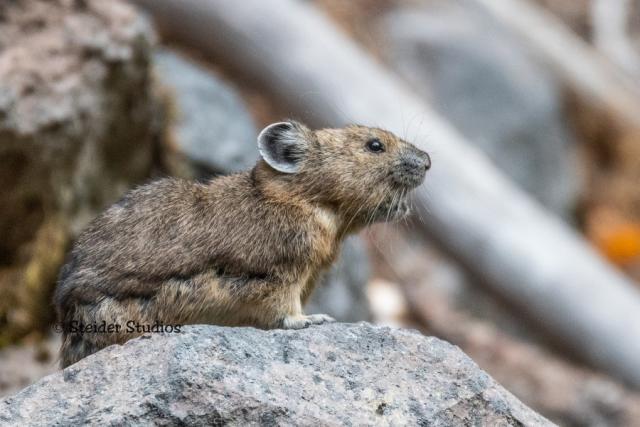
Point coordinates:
[[92, 104], [489, 86], [77, 124]]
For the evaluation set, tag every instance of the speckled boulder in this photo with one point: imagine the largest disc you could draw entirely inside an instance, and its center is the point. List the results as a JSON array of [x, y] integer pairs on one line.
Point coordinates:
[[337, 374]]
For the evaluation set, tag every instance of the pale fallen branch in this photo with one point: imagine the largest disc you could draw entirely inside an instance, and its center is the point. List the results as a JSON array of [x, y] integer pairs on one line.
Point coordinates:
[[610, 21], [588, 74]]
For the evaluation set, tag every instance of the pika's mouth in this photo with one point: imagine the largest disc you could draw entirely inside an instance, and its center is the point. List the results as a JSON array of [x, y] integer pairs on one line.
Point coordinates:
[[401, 208], [409, 181], [396, 207]]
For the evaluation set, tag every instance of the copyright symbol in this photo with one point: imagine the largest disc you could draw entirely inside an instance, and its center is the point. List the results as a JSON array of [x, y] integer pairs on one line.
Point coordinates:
[[57, 327]]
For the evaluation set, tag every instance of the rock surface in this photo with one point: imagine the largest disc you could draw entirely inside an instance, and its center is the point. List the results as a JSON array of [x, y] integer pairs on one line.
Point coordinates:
[[338, 374], [77, 118], [486, 84]]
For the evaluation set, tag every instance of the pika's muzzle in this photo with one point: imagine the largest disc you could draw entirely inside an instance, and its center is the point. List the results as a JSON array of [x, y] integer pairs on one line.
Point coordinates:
[[412, 168]]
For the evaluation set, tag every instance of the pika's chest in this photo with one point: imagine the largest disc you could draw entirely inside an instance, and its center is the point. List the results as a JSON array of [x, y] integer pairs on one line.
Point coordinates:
[[325, 227]]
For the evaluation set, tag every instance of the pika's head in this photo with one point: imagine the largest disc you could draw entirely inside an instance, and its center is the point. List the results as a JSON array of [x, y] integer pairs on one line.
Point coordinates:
[[364, 173]]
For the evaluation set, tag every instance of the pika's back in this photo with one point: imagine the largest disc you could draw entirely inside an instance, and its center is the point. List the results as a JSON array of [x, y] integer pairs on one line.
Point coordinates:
[[166, 218], [176, 228]]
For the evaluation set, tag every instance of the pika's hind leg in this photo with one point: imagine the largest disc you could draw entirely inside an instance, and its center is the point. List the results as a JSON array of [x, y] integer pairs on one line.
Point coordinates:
[[263, 303], [75, 347], [115, 315]]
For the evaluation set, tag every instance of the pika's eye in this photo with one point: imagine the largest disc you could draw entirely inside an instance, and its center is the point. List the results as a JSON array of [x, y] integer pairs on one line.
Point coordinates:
[[375, 146]]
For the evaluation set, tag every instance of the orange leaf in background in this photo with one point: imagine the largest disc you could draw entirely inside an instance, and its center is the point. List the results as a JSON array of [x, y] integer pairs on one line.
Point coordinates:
[[618, 239], [622, 244]]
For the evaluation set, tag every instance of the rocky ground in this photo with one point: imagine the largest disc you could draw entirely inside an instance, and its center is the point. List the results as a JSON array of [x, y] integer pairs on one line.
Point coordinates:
[[338, 374]]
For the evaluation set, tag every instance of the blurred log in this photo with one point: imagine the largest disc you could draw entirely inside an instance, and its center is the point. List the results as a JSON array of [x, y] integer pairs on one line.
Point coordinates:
[[529, 257], [610, 20], [575, 13], [606, 107], [498, 91], [581, 68]]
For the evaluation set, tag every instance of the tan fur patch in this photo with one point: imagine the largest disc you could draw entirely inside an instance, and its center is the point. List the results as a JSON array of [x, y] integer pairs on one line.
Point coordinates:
[[327, 219]]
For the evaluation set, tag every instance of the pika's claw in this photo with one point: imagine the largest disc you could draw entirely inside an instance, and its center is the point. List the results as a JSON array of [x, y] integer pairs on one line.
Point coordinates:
[[296, 322], [301, 322], [319, 319]]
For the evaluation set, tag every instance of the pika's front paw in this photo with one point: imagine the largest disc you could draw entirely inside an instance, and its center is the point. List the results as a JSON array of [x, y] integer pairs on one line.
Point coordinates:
[[301, 322], [296, 322], [319, 319]]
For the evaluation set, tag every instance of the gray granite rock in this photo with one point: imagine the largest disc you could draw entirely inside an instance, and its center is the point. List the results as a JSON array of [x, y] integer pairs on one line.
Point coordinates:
[[337, 374], [488, 86]]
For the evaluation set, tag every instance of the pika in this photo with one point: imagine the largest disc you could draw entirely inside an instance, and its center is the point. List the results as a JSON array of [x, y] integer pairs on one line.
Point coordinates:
[[239, 250]]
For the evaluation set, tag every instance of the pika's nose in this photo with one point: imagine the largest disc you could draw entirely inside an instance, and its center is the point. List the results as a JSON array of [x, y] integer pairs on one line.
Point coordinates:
[[412, 164], [417, 161], [426, 158], [427, 161]]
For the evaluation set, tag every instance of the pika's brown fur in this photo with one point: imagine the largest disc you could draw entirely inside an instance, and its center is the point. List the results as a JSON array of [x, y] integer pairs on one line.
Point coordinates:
[[244, 249]]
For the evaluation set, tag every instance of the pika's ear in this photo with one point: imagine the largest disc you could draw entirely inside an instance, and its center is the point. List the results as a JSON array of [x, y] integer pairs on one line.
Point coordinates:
[[284, 145]]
